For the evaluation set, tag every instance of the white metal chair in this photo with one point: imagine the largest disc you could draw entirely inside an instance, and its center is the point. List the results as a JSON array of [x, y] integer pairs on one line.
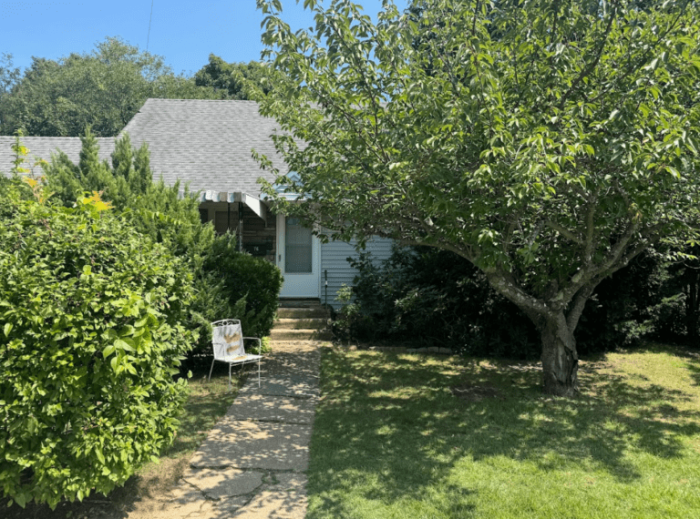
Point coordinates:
[[227, 341]]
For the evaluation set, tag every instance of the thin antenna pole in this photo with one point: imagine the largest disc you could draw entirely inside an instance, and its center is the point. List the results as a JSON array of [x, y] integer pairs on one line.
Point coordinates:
[[148, 38]]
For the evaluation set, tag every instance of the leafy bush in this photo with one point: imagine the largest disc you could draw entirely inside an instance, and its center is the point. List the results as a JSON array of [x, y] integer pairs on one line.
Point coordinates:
[[160, 212], [429, 297], [252, 285], [90, 320], [425, 296]]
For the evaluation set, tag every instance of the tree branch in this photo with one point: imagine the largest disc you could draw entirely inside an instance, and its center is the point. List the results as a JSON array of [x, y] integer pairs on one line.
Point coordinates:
[[564, 232], [593, 64], [504, 284], [580, 300]]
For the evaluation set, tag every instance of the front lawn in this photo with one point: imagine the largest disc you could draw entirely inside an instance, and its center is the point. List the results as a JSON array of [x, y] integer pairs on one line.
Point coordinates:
[[410, 436]]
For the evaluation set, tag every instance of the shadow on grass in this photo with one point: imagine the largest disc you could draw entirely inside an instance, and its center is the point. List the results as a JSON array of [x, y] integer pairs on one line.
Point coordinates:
[[390, 423]]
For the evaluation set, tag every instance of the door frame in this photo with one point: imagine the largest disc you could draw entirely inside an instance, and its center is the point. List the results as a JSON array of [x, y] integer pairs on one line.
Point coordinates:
[[280, 258]]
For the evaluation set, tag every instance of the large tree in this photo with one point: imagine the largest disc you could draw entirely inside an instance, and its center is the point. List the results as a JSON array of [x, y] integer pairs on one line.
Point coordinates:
[[102, 89], [234, 80], [548, 142], [9, 74]]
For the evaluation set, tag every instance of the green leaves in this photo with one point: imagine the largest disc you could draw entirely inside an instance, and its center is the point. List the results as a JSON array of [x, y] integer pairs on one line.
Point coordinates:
[[89, 352], [471, 128]]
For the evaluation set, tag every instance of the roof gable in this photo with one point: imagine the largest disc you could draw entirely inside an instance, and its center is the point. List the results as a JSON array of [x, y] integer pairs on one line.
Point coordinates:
[[206, 144]]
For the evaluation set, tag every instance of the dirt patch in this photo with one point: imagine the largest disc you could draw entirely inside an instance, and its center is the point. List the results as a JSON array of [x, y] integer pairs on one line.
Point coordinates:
[[474, 392], [144, 492]]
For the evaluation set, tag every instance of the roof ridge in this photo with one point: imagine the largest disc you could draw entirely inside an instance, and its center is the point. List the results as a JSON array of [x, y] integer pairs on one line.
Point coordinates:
[[161, 99]]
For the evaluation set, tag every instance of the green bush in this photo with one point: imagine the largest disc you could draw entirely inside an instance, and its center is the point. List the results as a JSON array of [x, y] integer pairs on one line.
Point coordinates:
[[152, 208], [252, 285], [90, 341], [228, 284], [426, 297]]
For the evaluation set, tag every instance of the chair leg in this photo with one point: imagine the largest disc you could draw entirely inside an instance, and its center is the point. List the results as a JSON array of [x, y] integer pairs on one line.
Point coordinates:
[[212, 369], [229, 377]]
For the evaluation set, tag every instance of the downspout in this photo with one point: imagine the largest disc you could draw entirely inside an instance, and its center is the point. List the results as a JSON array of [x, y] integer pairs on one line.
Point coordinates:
[[240, 226]]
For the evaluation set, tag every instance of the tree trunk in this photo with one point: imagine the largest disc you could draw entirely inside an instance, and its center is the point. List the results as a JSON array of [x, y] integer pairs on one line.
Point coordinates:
[[559, 357]]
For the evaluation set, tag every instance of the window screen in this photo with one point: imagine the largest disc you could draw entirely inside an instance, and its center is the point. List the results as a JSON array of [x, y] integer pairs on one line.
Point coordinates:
[[298, 247]]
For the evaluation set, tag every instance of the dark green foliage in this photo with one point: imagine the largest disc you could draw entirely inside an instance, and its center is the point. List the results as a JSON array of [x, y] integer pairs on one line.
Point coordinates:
[[679, 312], [91, 315], [430, 297], [102, 89], [9, 74], [625, 307], [235, 80], [252, 285]]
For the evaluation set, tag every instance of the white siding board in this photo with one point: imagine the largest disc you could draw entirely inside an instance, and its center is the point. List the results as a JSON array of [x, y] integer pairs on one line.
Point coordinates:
[[334, 256]]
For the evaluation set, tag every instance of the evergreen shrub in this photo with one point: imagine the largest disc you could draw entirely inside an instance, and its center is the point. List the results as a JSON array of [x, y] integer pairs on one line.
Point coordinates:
[[252, 285], [428, 297], [228, 284], [90, 342]]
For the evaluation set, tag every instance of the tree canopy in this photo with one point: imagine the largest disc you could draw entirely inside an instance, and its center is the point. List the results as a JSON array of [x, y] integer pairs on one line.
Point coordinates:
[[234, 80], [102, 89], [547, 142]]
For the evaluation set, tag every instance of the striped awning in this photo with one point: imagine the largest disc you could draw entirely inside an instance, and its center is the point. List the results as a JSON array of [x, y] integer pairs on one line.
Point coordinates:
[[254, 203]]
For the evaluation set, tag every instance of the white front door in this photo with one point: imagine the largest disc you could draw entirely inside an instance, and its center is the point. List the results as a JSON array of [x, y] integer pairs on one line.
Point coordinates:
[[298, 258]]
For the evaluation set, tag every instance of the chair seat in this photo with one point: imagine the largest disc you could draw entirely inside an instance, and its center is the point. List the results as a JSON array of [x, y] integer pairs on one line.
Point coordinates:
[[227, 337], [238, 359]]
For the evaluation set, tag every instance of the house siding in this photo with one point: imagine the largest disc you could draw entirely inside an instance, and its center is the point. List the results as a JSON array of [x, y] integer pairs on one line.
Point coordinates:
[[334, 262]]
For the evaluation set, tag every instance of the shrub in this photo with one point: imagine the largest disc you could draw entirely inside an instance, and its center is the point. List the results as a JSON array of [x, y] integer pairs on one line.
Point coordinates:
[[91, 339], [228, 284], [425, 296], [252, 285], [152, 208]]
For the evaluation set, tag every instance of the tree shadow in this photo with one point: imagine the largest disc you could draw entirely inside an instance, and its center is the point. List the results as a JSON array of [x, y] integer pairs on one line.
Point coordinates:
[[392, 419]]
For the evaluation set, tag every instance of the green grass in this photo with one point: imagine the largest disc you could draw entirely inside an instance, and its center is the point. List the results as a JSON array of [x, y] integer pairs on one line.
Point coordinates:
[[391, 441]]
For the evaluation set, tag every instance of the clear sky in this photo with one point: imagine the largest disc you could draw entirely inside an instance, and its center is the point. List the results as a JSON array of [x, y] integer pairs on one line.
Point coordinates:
[[185, 32]]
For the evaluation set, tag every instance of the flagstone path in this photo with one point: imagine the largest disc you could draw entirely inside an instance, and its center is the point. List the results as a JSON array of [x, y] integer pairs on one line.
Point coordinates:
[[253, 463]]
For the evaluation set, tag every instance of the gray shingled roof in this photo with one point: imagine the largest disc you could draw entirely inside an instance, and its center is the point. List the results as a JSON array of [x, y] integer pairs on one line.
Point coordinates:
[[206, 143], [45, 147]]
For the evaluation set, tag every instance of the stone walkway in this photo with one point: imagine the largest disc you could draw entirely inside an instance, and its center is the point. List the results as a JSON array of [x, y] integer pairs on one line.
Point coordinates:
[[253, 463]]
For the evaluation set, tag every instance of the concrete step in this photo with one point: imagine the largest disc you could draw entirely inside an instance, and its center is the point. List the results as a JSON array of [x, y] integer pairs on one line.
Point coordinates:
[[303, 313], [300, 335], [318, 323], [303, 302]]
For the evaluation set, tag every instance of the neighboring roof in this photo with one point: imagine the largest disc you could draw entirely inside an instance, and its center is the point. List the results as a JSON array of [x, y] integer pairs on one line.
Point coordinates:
[[201, 142], [206, 143], [45, 147]]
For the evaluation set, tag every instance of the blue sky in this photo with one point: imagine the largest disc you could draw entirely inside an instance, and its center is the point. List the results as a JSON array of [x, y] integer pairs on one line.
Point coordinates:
[[184, 32]]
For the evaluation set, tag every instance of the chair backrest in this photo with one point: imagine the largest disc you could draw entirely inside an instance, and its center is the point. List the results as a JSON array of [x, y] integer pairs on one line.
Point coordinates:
[[227, 338]]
